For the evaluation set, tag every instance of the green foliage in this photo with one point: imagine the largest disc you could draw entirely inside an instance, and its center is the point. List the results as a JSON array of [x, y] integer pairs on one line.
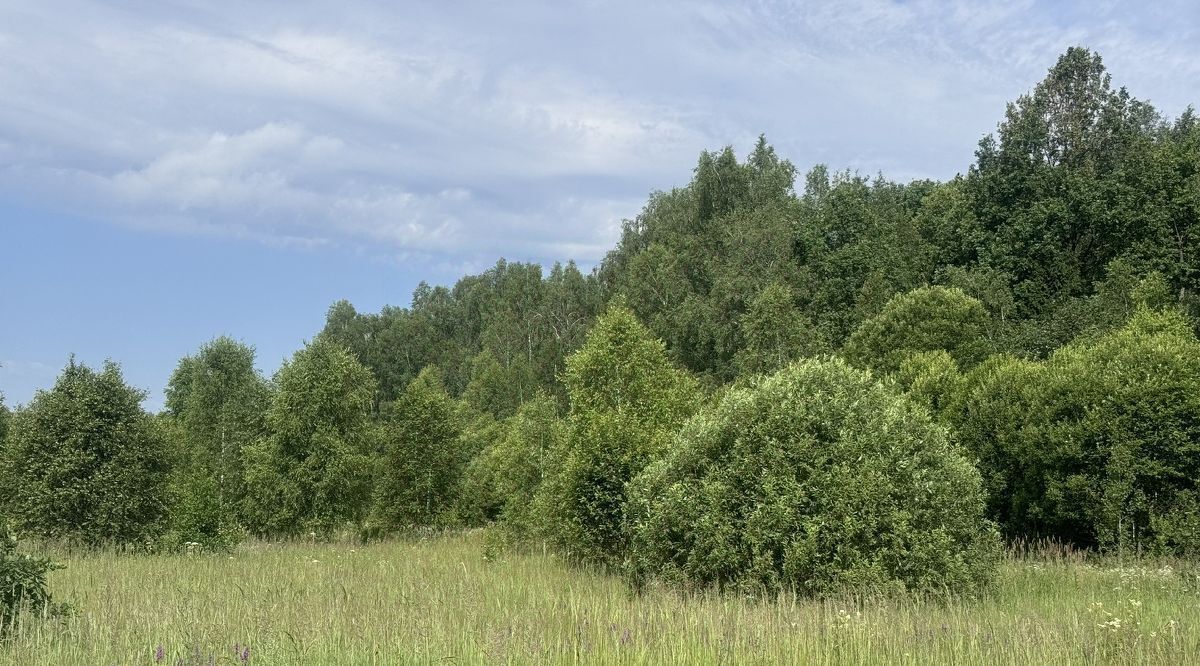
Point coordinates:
[[696, 257], [1100, 444], [923, 320], [503, 480], [5, 416], [312, 472], [817, 479], [216, 404], [775, 333], [423, 460], [626, 401], [85, 463], [526, 321], [496, 389], [930, 379], [23, 588], [1084, 318], [1080, 174]]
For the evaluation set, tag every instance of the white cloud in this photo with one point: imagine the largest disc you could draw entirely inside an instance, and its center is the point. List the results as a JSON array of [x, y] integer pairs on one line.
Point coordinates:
[[510, 129]]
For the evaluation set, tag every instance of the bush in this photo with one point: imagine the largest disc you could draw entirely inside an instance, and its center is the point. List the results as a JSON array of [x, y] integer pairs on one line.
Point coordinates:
[[923, 320], [992, 410], [84, 462], [23, 584], [1100, 444], [818, 479]]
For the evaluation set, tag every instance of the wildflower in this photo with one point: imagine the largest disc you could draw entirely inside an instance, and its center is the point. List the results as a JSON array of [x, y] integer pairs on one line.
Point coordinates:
[[159, 653]]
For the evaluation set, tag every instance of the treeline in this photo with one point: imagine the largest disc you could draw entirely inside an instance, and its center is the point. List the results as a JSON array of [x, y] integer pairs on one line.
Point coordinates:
[[858, 383]]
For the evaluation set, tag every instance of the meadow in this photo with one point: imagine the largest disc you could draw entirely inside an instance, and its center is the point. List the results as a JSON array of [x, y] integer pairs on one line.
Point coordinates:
[[438, 599]]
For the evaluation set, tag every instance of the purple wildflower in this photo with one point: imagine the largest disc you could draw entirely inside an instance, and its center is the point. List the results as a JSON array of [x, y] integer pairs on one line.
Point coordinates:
[[159, 653]]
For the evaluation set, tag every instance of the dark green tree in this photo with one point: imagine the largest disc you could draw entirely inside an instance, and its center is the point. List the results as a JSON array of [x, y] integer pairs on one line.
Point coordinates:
[[85, 462], [1051, 188], [1097, 446]]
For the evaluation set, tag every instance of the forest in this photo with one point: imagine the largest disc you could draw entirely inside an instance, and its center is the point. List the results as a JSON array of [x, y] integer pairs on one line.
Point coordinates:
[[776, 384]]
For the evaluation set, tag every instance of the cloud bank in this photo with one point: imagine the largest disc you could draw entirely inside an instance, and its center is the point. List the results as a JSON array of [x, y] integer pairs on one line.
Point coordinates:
[[453, 132]]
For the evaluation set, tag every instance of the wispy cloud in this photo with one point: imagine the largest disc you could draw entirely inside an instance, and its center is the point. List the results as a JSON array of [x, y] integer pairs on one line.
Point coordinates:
[[515, 129]]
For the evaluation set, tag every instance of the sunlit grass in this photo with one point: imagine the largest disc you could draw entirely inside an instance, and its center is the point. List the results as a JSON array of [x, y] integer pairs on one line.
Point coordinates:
[[437, 600]]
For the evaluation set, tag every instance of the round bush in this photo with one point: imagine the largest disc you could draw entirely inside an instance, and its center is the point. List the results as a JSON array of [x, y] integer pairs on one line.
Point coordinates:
[[922, 320], [817, 479]]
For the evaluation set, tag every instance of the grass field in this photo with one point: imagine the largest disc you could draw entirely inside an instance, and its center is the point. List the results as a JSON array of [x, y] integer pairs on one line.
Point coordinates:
[[437, 600]]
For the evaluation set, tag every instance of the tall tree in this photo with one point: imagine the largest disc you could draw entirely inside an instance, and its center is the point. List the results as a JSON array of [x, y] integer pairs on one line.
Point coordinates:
[[422, 461], [627, 399], [312, 472], [217, 402], [1050, 188]]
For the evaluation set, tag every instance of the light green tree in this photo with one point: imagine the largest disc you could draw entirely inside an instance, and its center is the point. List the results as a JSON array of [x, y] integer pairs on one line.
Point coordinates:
[[423, 461], [922, 320], [216, 406], [312, 472], [775, 333], [626, 402]]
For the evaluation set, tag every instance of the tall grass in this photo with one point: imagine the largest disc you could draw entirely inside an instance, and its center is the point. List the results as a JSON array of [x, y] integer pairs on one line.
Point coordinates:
[[437, 600]]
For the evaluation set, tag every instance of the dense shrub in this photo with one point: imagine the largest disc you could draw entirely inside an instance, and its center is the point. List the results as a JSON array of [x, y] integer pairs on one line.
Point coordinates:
[[819, 479], [313, 472], [929, 378], [23, 586], [1100, 444], [922, 320], [626, 402], [85, 463]]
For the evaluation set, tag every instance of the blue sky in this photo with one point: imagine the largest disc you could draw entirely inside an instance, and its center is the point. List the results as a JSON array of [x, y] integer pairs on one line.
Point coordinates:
[[174, 171]]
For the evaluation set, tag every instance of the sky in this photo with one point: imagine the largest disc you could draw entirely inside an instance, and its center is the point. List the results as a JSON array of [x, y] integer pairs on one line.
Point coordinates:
[[175, 171]]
